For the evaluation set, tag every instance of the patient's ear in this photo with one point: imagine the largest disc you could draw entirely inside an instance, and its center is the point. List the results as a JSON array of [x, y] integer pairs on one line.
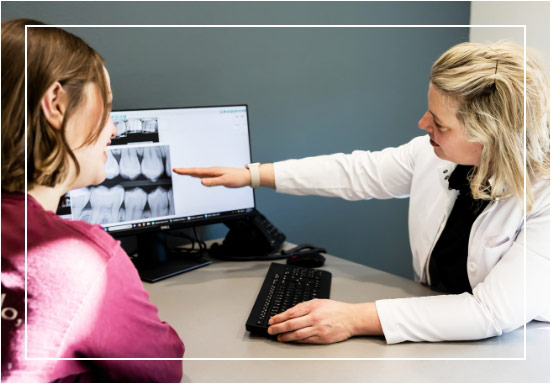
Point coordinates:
[[54, 104]]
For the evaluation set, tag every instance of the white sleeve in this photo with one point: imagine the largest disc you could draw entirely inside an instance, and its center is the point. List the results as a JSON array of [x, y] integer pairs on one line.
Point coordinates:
[[361, 175], [496, 305]]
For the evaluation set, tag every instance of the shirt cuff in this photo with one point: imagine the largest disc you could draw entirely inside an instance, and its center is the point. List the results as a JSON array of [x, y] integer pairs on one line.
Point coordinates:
[[282, 175], [384, 310]]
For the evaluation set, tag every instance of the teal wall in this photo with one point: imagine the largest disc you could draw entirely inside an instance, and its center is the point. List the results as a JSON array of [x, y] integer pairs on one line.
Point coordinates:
[[310, 90]]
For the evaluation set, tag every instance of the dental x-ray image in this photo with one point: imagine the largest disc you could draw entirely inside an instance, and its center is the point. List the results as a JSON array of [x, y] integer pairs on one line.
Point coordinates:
[[138, 185], [136, 130], [104, 205], [138, 163]]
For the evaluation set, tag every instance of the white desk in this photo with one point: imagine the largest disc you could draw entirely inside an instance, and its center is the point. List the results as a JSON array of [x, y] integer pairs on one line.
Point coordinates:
[[208, 308]]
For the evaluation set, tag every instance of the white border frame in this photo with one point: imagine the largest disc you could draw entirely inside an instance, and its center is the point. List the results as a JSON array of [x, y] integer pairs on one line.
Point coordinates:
[[523, 26]]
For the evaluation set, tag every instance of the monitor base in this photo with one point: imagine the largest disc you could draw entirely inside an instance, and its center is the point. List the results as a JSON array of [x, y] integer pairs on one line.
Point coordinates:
[[174, 266]]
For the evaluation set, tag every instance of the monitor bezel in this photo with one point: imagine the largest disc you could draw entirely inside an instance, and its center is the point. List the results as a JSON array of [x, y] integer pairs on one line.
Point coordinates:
[[199, 221]]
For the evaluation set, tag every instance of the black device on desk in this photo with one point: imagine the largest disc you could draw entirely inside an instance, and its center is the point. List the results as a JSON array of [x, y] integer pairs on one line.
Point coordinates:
[[305, 255], [285, 286], [250, 238], [141, 196]]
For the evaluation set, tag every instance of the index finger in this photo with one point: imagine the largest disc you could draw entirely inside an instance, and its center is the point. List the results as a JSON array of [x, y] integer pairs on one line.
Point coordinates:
[[292, 313], [197, 172]]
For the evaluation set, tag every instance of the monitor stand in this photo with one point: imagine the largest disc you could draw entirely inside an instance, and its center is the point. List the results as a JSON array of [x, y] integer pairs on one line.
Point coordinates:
[[155, 261]]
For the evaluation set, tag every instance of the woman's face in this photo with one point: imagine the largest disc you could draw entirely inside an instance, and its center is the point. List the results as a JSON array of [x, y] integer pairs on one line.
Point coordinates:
[[91, 157], [446, 134]]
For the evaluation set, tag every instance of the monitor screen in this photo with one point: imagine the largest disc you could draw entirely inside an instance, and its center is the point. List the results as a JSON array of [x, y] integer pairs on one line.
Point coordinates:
[[141, 192]]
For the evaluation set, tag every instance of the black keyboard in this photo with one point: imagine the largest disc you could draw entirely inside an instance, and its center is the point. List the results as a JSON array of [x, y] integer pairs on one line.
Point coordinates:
[[285, 286]]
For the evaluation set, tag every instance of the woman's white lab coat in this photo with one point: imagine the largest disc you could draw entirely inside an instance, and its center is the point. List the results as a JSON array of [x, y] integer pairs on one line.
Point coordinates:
[[497, 244]]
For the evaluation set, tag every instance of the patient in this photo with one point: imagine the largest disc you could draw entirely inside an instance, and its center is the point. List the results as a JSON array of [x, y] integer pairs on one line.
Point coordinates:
[[84, 297]]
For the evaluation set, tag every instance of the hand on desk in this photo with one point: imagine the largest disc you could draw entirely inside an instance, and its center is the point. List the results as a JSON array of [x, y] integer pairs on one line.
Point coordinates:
[[325, 321]]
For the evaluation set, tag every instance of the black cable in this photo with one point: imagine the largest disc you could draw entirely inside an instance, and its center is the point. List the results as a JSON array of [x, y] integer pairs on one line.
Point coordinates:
[[184, 235], [202, 245], [191, 252]]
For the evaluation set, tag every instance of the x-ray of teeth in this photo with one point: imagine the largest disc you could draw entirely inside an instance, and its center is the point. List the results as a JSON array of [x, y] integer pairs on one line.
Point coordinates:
[[79, 200], [111, 166], [130, 167], [106, 203], [152, 163], [121, 127], [134, 126], [139, 162], [134, 202], [138, 186], [136, 130], [103, 205], [158, 202], [149, 125]]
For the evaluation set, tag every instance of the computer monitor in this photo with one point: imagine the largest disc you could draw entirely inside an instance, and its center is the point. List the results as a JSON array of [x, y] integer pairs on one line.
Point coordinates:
[[142, 196]]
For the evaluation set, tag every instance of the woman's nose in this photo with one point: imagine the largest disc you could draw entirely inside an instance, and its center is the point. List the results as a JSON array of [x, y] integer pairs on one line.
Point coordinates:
[[424, 123]]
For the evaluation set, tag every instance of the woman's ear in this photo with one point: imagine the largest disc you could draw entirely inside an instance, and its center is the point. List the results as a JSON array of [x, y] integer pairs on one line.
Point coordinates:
[[54, 104]]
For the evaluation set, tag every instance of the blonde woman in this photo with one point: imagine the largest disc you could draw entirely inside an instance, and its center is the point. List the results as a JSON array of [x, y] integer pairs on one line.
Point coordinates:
[[465, 181], [84, 298]]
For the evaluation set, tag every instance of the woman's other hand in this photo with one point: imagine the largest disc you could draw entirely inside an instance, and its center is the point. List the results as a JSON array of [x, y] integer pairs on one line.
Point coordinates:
[[321, 321]]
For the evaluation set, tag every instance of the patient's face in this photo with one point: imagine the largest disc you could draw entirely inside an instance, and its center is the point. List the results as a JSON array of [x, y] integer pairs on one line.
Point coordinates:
[[91, 157]]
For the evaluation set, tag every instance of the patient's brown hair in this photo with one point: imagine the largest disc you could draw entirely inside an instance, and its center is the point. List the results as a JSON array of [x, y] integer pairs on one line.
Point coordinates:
[[52, 55]]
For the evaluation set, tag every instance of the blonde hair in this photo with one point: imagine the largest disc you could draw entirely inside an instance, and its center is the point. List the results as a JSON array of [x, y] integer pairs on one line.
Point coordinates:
[[486, 83], [52, 55]]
